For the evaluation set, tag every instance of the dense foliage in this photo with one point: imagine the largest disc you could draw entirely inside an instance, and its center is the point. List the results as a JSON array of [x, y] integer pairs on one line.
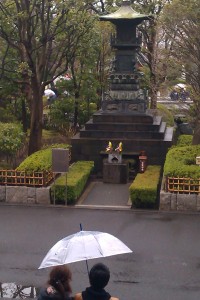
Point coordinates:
[[181, 162], [184, 140], [11, 138], [181, 23], [40, 160], [41, 40], [166, 114]]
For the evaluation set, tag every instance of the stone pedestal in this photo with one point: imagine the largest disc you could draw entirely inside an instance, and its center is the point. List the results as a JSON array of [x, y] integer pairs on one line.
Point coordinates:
[[115, 172]]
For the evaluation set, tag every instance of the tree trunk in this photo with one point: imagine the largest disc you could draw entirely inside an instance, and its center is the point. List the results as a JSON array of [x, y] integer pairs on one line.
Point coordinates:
[[75, 113], [196, 136], [153, 91], [35, 140], [24, 115], [76, 104]]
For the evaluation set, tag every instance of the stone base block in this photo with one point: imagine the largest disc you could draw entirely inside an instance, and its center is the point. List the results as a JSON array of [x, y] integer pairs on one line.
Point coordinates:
[[165, 201], [115, 172], [198, 202], [179, 202], [16, 194], [2, 193], [43, 195], [24, 194], [187, 202], [173, 201]]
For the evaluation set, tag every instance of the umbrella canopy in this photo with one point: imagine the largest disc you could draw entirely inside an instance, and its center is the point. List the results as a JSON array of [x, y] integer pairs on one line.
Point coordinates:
[[180, 85], [83, 245], [49, 92]]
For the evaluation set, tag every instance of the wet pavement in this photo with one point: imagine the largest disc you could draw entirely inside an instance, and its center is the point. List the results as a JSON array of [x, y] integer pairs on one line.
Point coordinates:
[[165, 263], [105, 195]]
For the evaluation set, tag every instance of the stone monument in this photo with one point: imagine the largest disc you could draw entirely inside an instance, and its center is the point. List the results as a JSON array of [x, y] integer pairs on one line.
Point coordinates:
[[115, 170], [124, 115]]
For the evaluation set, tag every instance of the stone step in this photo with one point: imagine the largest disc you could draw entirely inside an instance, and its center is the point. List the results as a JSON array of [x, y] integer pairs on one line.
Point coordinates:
[[90, 125], [101, 117], [169, 134], [105, 140], [163, 127], [123, 134]]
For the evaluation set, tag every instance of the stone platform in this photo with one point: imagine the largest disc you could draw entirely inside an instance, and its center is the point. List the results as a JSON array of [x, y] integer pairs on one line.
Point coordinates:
[[137, 132]]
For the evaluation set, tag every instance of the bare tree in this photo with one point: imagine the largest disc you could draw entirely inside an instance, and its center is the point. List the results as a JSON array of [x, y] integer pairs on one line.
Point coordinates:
[[151, 43], [182, 24]]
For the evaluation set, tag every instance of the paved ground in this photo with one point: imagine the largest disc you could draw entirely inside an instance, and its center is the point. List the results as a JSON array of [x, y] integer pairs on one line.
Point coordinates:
[[165, 263], [99, 194]]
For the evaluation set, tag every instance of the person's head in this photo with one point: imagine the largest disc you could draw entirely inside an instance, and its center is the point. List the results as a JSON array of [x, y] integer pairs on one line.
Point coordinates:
[[59, 278], [99, 276]]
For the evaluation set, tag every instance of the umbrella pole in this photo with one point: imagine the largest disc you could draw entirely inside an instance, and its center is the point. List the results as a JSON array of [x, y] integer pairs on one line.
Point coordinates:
[[87, 266], [81, 228]]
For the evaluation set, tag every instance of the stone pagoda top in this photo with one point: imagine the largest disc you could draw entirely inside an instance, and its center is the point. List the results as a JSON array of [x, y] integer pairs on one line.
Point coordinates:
[[125, 12]]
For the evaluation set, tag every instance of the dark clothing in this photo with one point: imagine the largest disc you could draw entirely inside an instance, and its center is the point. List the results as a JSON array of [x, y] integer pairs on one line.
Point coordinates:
[[174, 95], [44, 295], [91, 294], [183, 95]]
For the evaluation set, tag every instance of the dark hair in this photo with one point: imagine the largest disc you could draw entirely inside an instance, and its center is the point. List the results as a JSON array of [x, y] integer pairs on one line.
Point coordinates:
[[99, 276], [59, 278]]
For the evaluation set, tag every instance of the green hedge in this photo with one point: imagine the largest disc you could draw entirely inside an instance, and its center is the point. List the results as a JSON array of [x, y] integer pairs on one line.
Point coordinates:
[[184, 140], [144, 189], [181, 162], [40, 160], [77, 178]]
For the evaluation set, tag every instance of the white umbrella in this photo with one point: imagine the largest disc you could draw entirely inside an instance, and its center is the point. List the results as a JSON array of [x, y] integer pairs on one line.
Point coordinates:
[[83, 245], [49, 92], [181, 85]]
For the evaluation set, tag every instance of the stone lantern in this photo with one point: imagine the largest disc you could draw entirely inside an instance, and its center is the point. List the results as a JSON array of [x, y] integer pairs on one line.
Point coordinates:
[[125, 95]]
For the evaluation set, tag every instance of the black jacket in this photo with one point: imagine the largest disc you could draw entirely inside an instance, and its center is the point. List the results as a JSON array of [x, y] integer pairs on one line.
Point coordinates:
[[91, 294], [44, 295]]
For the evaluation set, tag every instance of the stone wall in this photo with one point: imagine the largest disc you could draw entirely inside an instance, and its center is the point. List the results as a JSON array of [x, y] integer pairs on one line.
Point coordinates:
[[178, 202], [25, 195]]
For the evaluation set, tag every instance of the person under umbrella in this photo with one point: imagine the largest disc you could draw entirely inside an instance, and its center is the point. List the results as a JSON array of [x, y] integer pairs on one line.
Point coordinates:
[[58, 286], [99, 277], [51, 95], [83, 245]]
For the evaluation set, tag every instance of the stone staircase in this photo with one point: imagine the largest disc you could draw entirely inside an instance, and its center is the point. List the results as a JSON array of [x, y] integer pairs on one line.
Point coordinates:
[[137, 132]]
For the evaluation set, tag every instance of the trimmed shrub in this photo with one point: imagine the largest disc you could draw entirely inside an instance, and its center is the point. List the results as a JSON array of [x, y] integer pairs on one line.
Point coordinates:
[[184, 140], [181, 162], [144, 189], [40, 160], [77, 178]]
